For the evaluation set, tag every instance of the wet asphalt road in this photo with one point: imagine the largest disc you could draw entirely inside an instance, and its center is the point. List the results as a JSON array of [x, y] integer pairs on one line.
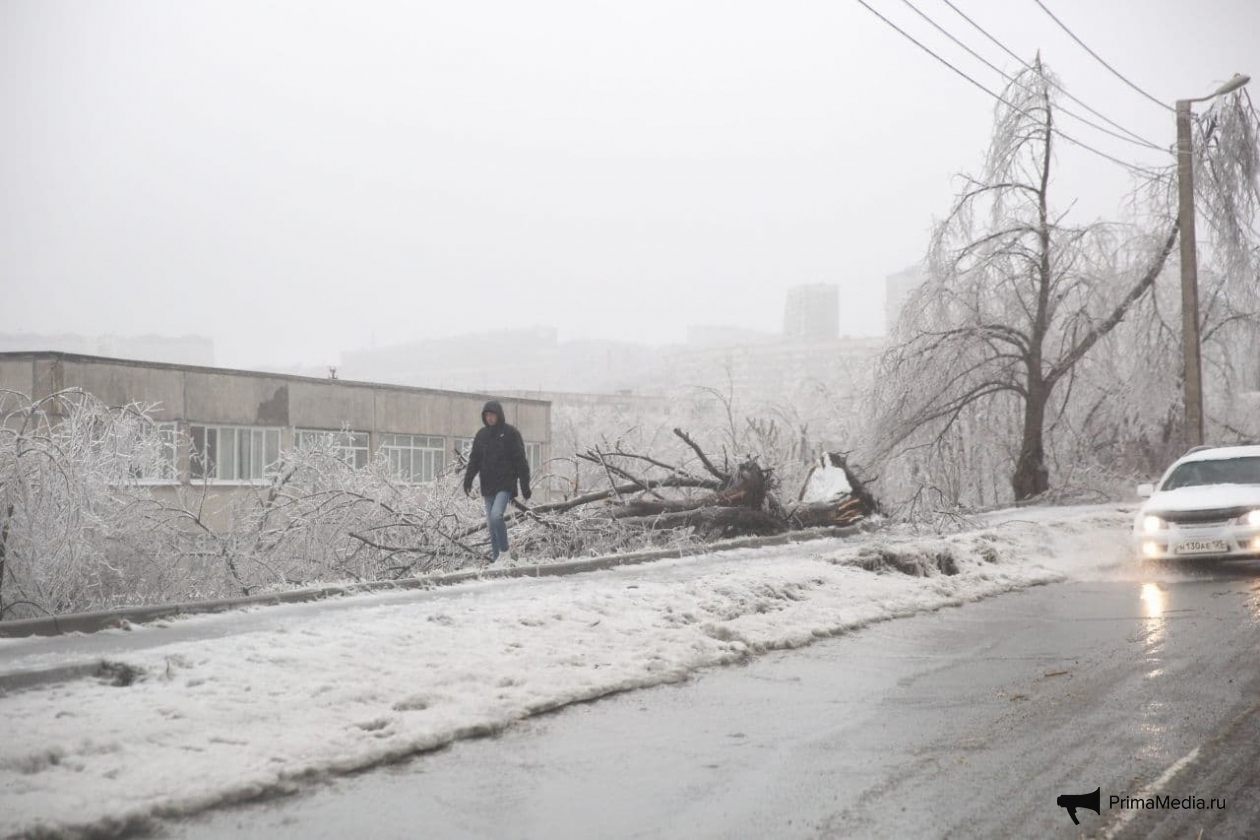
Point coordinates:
[[968, 722]]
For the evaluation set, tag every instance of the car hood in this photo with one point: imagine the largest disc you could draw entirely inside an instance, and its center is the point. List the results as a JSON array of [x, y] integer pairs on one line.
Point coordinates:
[[1205, 497]]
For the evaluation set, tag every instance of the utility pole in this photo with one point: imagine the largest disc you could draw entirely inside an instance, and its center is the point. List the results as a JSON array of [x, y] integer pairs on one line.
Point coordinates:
[[1190, 343], [1190, 340]]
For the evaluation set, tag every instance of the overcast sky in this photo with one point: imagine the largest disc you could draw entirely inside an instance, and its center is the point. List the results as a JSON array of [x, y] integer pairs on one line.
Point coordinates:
[[298, 179]]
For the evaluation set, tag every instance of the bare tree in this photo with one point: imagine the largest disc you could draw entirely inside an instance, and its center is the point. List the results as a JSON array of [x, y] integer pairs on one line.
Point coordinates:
[[1018, 302]]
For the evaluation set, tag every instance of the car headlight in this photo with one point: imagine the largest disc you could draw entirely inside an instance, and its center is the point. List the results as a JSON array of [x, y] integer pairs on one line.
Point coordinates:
[[1251, 517], [1151, 524]]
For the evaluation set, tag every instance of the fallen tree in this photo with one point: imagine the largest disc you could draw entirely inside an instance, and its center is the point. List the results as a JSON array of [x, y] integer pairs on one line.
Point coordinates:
[[649, 494]]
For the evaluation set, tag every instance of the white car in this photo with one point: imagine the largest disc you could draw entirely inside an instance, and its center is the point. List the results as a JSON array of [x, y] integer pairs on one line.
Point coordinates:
[[1207, 505]]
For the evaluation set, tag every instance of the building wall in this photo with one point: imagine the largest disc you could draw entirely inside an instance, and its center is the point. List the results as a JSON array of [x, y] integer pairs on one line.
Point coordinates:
[[328, 404], [213, 395], [17, 375]]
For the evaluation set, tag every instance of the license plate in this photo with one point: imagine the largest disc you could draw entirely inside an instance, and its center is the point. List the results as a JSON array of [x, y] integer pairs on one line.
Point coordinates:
[[1202, 547]]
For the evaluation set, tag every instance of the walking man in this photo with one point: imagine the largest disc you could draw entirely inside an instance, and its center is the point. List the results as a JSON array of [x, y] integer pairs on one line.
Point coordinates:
[[498, 454]]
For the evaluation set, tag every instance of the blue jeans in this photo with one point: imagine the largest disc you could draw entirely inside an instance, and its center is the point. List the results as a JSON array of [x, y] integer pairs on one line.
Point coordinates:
[[496, 506]]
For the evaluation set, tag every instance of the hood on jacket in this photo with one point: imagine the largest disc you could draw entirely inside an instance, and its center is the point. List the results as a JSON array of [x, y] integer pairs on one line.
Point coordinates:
[[494, 407]]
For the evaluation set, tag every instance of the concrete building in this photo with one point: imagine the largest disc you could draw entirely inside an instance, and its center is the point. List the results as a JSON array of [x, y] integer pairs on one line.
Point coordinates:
[[897, 290], [714, 335], [774, 371], [227, 427], [812, 313], [527, 359], [808, 355], [511, 358]]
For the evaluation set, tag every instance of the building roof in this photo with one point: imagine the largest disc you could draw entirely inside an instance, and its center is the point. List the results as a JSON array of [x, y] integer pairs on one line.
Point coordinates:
[[54, 355]]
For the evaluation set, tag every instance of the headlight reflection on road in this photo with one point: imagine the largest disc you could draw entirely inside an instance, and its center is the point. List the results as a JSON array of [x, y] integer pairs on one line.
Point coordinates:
[[1154, 600], [1154, 604]]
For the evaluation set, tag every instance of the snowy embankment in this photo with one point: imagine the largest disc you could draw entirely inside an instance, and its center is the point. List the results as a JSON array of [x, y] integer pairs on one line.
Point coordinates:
[[320, 691]]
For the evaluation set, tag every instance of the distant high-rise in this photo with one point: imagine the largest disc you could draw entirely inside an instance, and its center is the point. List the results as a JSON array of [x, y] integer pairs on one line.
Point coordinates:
[[812, 312], [897, 290]]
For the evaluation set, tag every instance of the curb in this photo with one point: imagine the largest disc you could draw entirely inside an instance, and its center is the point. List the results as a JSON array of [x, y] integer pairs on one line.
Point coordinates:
[[35, 678], [91, 622]]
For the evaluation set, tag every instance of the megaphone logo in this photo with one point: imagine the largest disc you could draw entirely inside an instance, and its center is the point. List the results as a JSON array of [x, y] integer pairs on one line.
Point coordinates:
[[1072, 801]]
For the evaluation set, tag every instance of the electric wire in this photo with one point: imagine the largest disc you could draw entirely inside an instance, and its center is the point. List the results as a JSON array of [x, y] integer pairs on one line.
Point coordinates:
[[1060, 88], [1132, 167], [1117, 73], [1062, 109]]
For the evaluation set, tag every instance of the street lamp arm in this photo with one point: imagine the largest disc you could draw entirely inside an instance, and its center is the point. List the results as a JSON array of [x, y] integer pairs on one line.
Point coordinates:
[[1238, 80]]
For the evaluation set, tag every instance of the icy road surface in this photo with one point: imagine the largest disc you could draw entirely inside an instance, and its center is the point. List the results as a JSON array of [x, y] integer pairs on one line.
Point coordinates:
[[966, 722]]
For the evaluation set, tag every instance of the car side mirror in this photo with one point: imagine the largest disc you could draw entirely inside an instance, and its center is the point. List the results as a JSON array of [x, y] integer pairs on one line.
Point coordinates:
[[1144, 491]]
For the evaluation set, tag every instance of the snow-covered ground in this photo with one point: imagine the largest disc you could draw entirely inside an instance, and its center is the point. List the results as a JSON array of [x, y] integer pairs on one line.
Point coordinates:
[[318, 691]]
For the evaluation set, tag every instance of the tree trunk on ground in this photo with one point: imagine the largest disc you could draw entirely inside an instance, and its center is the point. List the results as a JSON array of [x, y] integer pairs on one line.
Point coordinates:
[[742, 503], [745, 489], [834, 514], [715, 522]]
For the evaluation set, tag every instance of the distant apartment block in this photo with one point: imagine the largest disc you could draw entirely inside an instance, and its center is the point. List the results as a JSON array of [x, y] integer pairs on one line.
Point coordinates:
[[707, 335], [511, 358], [777, 371], [897, 290], [527, 359], [758, 365], [812, 313]]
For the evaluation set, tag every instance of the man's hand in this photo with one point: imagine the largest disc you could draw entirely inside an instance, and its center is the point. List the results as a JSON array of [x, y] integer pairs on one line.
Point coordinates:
[[467, 488], [525, 492]]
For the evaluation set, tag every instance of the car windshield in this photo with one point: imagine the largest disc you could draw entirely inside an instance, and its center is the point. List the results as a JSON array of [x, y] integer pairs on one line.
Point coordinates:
[[1218, 471]]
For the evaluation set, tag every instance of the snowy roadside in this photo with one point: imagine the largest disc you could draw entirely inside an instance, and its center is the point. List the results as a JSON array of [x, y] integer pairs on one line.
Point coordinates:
[[226, 719]]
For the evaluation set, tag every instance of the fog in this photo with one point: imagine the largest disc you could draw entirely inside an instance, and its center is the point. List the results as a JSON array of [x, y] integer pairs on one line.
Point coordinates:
[[294, 180]]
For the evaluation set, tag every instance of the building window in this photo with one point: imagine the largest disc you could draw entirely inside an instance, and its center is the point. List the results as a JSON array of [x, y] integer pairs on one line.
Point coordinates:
[[351, 447], [163, 468], [237, 454], [413, 458]]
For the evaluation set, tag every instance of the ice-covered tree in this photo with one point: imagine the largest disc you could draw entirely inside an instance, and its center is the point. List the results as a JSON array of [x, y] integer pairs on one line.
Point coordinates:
[[1019, 313], [69, 502]]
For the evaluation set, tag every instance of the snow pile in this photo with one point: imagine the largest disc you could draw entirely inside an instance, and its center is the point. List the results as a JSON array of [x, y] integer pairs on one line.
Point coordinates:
[[187, 725]]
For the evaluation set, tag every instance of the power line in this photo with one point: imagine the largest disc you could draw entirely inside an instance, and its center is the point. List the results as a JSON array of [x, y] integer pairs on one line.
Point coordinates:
[[1118, 74], [1140, 170], [1060, 88], [1013, 80]]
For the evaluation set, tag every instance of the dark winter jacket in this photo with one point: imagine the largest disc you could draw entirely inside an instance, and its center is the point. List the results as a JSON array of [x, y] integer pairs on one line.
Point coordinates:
[[498, 454]]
